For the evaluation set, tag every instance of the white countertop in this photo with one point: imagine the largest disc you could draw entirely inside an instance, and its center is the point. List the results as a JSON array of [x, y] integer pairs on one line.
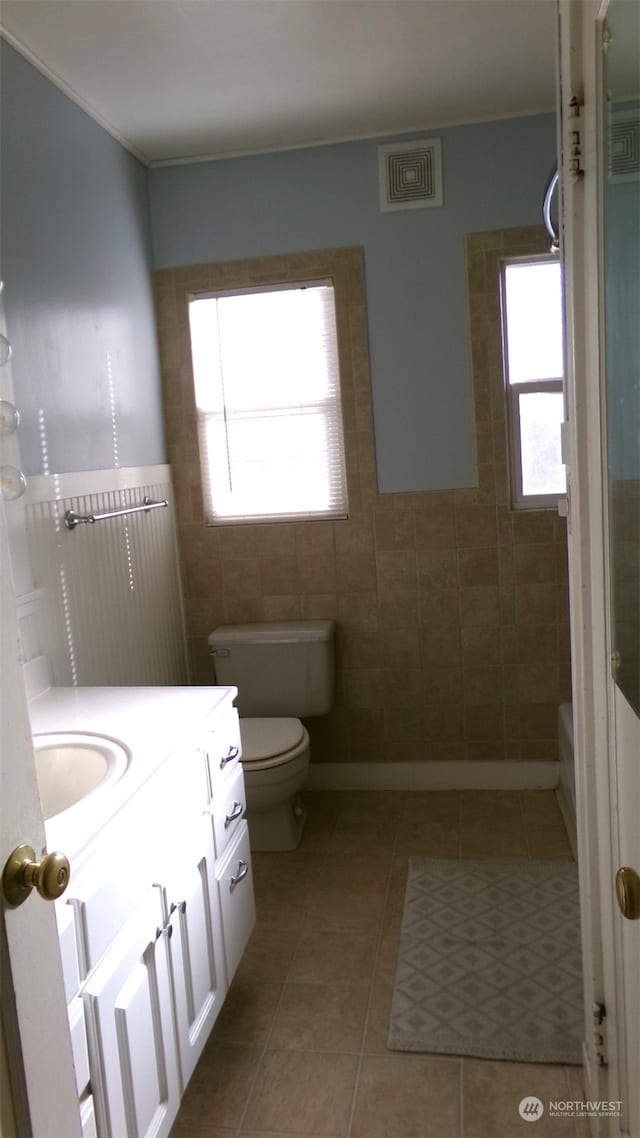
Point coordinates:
[[150, 722]]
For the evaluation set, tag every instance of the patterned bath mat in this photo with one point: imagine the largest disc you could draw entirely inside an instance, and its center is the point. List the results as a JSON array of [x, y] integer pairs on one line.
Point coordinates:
[[489, 962]]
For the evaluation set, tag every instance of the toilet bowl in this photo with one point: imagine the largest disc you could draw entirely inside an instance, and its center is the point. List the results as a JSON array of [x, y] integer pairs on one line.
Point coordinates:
[[275, 761]]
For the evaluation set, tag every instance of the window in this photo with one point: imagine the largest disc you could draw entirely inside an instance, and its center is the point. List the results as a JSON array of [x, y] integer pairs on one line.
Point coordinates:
[[266, 377], [533, 368]]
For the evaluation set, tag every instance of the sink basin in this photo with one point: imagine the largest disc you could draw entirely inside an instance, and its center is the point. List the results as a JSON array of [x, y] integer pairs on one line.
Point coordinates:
[[70, 767]]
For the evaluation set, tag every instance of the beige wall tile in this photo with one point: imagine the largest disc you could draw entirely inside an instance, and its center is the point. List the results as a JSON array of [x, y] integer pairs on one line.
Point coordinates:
[[435, 526], [437, 569], [478, 566], [397, 571], [399, 611], [395, 530], [479, 605], [475, 525]]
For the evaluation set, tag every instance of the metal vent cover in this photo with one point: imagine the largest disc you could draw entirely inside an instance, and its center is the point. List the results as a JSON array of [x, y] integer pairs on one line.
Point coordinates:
[[624, 146], [410, 174]]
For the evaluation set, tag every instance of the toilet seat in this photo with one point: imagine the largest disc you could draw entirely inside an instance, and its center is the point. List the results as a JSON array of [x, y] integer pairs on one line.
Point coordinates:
[[271, 742]]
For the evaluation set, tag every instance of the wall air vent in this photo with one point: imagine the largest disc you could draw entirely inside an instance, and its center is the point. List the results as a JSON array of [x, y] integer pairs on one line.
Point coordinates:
[[624, 146], [410, 174]]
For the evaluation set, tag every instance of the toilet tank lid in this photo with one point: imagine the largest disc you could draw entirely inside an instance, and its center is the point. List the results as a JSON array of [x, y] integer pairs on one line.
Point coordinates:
[[272, 632]]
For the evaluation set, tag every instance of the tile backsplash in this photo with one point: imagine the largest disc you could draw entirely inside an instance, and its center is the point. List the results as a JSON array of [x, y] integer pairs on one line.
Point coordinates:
[[452, 611]]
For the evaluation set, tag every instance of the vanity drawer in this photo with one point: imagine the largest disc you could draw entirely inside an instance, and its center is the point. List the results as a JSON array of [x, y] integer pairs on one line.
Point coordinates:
[[228, 808], [222, 748], [235, 883]]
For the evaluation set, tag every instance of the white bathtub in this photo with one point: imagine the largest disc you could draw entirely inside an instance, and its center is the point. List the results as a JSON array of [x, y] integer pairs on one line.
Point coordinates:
[[565, 740]]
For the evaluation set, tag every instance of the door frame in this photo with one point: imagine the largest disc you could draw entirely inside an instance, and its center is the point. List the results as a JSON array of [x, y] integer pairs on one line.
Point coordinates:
[[593, 691]]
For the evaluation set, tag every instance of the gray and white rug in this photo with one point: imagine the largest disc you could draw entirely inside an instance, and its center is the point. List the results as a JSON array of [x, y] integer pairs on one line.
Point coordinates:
[[489, 962]]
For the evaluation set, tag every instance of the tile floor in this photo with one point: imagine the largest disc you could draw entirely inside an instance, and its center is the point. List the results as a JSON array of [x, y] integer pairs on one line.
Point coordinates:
[[300, 1046]]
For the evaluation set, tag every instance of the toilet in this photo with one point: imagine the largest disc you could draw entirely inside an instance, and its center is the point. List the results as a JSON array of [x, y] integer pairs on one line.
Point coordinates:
[[282, 669]]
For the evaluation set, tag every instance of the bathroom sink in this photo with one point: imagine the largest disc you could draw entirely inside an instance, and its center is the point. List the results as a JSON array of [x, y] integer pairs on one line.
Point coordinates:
[[70, 767]]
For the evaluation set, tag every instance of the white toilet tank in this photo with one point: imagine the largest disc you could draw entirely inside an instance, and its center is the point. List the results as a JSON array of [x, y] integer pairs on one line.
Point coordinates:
[[281, 668]]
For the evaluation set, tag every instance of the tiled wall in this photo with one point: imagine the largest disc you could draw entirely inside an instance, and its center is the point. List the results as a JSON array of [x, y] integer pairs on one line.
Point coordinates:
[[452, 612]]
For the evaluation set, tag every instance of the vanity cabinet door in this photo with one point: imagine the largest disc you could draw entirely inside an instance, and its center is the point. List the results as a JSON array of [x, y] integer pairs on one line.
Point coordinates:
[[133, 1059], [235, 882], [196, 952]]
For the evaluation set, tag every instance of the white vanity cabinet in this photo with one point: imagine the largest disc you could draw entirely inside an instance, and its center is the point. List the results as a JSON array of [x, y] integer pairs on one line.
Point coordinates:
[[162, 907]]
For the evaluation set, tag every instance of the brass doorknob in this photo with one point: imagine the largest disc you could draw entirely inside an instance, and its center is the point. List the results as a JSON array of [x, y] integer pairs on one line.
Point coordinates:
[[22, 873], [628, 892]]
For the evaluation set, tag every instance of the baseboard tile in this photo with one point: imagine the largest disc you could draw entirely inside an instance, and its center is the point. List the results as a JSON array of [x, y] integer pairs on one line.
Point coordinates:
[[434, 776]]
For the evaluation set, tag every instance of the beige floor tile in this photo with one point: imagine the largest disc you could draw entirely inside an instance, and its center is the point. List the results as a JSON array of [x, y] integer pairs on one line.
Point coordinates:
[[183, 1131], [378, 846], [420, 806], [493, 1091], [247, 1014], [302, 1092], [540, 808], [575, 1077], [489, 842], [489, 803], [377, 1029], [388, 953], [220, 1086], [320, 1017], [365, 870], [346, 908], [548, 844], [269, 953], [428, 839], [407, 1096], [334, 956]]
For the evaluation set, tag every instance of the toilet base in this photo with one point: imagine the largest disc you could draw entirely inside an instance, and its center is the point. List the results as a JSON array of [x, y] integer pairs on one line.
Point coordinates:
[[278, 828]]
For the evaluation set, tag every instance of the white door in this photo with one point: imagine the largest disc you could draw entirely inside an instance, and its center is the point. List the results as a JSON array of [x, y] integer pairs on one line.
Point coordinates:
[[604, 354], [39, 1014]]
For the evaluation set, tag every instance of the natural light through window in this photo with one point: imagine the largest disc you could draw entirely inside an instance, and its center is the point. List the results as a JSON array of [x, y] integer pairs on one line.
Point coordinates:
[[533, 363], [266, 377]]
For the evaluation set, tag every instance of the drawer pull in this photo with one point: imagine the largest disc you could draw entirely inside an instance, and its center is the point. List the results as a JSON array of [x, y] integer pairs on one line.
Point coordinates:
[[231, 754], [181, 905], [236, 811], [168, 929], [243, 869]]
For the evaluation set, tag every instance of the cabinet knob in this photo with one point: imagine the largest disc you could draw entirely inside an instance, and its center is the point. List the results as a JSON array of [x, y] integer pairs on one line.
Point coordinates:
[[22, 873]]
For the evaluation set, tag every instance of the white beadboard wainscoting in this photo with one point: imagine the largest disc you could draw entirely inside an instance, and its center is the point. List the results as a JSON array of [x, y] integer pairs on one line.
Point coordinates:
[[108, 603]]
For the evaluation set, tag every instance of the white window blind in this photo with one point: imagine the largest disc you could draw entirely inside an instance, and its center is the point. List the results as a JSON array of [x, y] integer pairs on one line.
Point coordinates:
[[267, 387]]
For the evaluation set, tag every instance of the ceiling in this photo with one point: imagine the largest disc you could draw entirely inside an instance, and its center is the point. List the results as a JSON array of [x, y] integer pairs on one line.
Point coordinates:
[[183, 79]]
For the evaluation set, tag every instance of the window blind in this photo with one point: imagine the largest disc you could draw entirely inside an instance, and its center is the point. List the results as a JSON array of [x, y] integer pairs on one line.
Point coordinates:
[[267, 387]]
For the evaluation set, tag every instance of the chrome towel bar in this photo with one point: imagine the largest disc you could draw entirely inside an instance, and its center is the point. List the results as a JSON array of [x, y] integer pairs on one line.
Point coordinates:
[[71, 519]]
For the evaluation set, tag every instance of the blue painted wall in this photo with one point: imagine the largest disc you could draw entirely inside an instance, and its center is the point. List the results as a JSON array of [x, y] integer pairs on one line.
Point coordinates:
[[325, 197], [75, 259]]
